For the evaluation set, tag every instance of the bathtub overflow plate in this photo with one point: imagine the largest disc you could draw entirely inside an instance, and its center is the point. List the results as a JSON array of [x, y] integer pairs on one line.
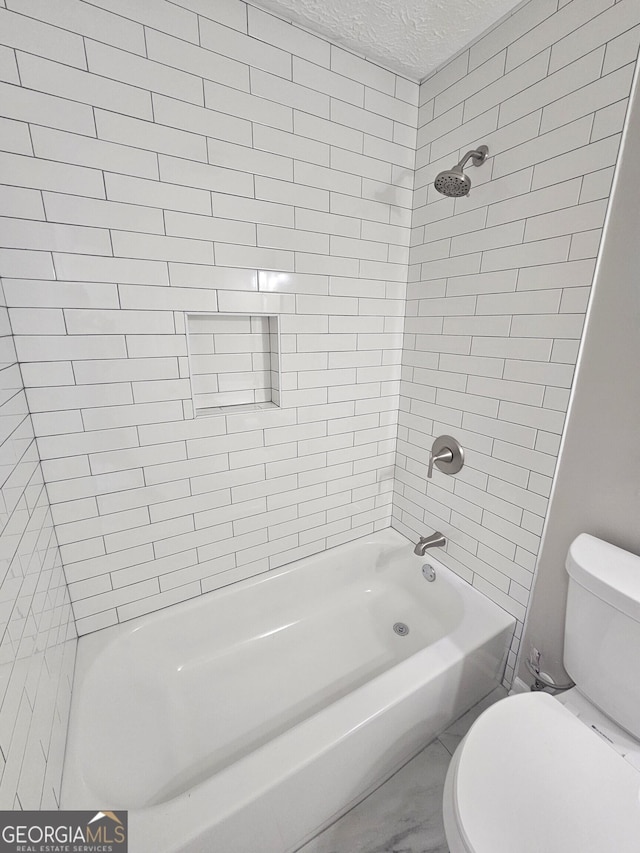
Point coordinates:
[[401, 629], [428, 572]]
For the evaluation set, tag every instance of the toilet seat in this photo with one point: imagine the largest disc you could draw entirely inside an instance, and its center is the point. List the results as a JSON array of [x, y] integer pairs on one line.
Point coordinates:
[[530, 777]]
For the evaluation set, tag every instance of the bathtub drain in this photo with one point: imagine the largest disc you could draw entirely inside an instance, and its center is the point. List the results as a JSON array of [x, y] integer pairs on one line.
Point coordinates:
[[401, 629]]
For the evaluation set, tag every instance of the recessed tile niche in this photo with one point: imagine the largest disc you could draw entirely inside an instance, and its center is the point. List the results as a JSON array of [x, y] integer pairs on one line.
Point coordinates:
[[234, 362]]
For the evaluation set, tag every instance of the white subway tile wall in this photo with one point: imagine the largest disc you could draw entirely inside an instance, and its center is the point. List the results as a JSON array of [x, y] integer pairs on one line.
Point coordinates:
[[166, 159], [499, 281], [38, 640], [156, 157]]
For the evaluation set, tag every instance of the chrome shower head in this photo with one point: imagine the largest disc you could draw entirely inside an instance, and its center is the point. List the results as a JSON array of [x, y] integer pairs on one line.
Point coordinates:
[[454, 182]]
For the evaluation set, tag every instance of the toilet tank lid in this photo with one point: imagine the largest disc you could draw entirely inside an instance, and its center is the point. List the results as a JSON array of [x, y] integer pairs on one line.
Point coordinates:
[[609, 572]]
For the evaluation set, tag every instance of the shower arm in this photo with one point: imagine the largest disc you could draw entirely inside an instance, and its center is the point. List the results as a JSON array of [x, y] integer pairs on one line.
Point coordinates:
[[478, 155]]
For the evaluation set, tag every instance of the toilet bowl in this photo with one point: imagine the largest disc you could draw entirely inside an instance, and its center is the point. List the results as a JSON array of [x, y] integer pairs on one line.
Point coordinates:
[[532, 777], [543, 774]]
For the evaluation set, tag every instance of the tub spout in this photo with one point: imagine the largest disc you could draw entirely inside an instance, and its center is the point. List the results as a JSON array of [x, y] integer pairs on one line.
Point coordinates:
[[436, 540]]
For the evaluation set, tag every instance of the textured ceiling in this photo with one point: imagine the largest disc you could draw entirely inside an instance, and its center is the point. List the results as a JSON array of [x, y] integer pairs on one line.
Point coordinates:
[[411, 37]]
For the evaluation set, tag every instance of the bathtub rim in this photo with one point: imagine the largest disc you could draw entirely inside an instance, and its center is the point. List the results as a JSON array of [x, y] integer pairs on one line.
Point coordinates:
[[93, 644]]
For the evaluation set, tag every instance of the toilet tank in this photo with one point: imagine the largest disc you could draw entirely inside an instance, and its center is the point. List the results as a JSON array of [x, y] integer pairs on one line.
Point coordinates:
[[602, 631]]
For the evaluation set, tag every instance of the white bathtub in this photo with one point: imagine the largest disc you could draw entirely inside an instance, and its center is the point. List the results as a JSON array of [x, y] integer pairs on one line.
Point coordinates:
[[248, 719]]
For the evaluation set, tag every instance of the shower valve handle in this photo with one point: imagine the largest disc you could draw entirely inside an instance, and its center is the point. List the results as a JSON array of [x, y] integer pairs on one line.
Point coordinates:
[[446, 454]]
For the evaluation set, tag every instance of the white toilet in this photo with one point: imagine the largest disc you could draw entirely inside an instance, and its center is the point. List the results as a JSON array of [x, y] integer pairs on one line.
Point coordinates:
[[543, 774]]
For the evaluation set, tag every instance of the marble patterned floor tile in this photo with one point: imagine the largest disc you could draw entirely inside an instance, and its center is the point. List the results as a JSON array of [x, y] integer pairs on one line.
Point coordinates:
[[456, 731], [402, 816]]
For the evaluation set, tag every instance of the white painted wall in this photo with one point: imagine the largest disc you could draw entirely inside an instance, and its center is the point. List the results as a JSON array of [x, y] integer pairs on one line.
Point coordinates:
[[158, 155], [499, 280], [597, 483], [37, 639]]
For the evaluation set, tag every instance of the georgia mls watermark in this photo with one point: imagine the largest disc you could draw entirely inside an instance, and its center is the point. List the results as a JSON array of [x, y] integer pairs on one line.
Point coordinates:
[[63, 832]]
